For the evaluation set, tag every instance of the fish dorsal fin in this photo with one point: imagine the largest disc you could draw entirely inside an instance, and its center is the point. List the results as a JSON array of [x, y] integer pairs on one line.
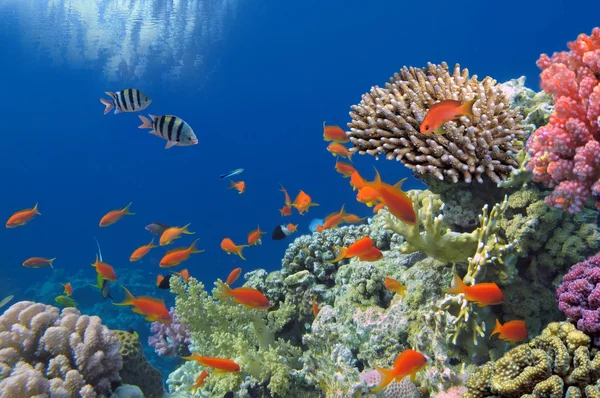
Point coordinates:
[[99, 250], [398, 185]]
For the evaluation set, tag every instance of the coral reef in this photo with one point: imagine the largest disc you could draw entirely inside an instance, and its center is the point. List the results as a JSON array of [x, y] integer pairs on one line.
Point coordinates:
[[45, 351], [387, 120], [565, 152], [171, 339], [558, 362]]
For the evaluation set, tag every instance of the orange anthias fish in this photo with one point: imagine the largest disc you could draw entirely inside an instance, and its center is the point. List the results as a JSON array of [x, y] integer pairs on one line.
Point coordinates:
[[105, 271], [183, 274], [115, 215], [177, 256], [286, 211], [398, 202], [303, 202], [378, 207], [481, 293], [368, 195], [352, 219], [512, 331], [170, 234], [333, 220], [288, 200], [154, 309], [199, 381], [443, 112], [233, 276], [229, 247], [344, 168], [339, 150], [142, 251], [357, 181], [373, 254], [22, 217], [247, 296], [408, 363], [37, 262], [315, 308], [334, 133], [254, 237], [240, 186], [358, 248], [224, 365], [68, 288], [395, 286]]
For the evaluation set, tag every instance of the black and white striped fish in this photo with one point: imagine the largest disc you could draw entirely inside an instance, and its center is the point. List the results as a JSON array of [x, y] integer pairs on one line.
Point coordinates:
[[129, 100], [171, 128]]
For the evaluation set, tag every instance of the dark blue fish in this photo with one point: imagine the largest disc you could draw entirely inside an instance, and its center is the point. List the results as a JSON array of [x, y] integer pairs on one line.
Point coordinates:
[[232, 173]]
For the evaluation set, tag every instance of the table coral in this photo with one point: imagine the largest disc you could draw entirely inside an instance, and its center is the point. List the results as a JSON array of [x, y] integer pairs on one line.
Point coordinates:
[[566, 152]]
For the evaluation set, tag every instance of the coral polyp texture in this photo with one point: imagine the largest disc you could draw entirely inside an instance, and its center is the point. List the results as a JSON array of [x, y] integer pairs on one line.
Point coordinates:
[[46, 352], [566, 152], [170, 339], [386, 123]]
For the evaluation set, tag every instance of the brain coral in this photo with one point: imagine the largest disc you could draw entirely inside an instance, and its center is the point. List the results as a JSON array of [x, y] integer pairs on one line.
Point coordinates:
[[45, 352], [386, 122]]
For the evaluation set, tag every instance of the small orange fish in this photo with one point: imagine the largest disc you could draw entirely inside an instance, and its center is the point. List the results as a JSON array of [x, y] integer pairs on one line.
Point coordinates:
[[199, 381], [142, 251], [315, 308], [292, 227], [288, 200], [286, 211], [373, 254], [172, 233], [22, 217], [398, 202], [233, 276], [481, 294], [344, 168], [352, 219], [68, 288], [154, 309], [115, 215], [247, 296], [105, 271], [37, 262], [334, 133], [357, 181], [408, 363], [358, 248], [443, 112], [378, 207], [177, 256], [224, 365], [368, 195], [512, 331], [240, 186], [395, 286], [333, 220], [254, 237], [229, 247], [183, 274], [303, 202], [339, 150]]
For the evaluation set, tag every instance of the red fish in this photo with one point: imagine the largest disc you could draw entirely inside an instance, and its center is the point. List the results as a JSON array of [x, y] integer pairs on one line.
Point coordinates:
[[443, 112], [334, 133], [183, 274], [240, 186], [512, 331], [378, 207], [398, 203], [344, 169], [254, 237], [154, 309], [105, 271], [395, 286], [288, 200], [224, 365], [115, 215], [373, 254], [286, 211], [37, 262], [199, 381], [358, 248], [352, 219], [303, 202], [68, 288], [142, 251], [315, 308], [368, 195], [22, 217], [481, 294], [177, 256], [333, 220], [233, 276], [357, 181], [339, 150], [229, 247], [247, 296], [408, 363], [172, 233]]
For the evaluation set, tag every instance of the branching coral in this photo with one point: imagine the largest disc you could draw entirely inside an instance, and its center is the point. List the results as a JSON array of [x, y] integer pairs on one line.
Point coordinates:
[[170, 339], [387, 120]]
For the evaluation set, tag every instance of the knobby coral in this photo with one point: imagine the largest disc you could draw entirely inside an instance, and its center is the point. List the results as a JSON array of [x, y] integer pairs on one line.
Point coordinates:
[[387, 120]]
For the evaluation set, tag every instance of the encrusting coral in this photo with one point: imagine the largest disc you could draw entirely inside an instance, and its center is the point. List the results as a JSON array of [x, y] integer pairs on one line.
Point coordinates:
[[44, 351], [387, 120]]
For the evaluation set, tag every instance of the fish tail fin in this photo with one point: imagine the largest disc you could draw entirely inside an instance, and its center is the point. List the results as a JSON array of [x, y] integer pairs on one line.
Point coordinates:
[[185, 229], [496, 328], [231, 184], [387, 375], [128, 298], [457, 286], [152, 245], [193, 249], [238, 251], [222, 290], [126, 210], [146, 124], [314, 204], [35, 210], [51, 261], [467, 108], [108, 105], [350, 157], [341, 255]]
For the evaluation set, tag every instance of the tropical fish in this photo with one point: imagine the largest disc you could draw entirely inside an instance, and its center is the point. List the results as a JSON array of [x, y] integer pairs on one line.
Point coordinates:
[[314, 224], [128, 100], [373, 254], [399, 204], [288, 200], [360, 247], [68, 288], [102, 284], [315, 308], [154, 309], [37, 262], [368, 195], [115, 215], [106, 271], [443, 112], [482, 294], [183, 274], [352, 219], [6, 300], [66, 301], [199, 381], [133, 332], [171, 128], [156, 228], [254, 237], [177, 256], [511, 331], [334, 133], [344, 168], [229, 247], [172, 233], [233, 276], [303, 202], [286, 211], [163, 282], [232, 173], [407, 363], [378, 207], [240, 186], [283, 231], [395, 286], [22, 217], [357, 181], [247, 296], [142, 251], [224, 365], [339, 150], [332, 220]]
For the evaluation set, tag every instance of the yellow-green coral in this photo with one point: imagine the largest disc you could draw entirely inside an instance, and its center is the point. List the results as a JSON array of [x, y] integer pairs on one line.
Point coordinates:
[[519, 176], [222, 328]]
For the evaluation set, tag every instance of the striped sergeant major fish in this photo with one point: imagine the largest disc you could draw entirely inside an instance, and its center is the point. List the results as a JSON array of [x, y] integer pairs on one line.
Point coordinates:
[[129, 100], [171, 128]]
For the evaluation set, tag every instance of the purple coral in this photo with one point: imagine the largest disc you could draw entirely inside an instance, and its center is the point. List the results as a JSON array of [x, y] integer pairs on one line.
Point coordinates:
[[579, 296], [172, 339]]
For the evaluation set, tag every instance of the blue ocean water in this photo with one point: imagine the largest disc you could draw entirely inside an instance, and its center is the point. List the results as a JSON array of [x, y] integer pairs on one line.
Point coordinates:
[[254, 79]]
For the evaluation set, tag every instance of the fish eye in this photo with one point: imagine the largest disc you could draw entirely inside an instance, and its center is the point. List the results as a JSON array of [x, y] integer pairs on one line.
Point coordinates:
[[427, 127]]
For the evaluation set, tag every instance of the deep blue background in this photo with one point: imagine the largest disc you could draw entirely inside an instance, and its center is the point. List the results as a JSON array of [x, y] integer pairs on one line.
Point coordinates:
[[277, 72]]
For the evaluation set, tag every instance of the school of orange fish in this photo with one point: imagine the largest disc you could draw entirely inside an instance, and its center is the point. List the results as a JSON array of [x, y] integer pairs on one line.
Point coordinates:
[[376, 193]]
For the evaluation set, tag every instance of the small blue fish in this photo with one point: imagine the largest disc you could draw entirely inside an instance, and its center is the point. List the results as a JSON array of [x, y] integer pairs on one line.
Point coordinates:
[[232, 173]]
